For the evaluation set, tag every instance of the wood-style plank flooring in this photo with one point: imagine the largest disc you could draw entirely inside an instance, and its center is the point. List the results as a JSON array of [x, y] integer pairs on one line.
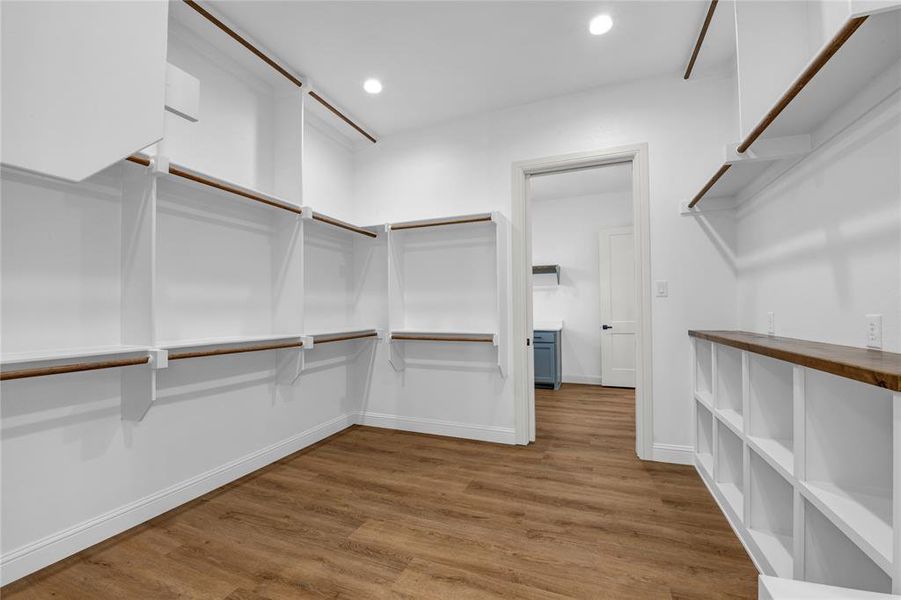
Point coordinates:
[[373, 513]]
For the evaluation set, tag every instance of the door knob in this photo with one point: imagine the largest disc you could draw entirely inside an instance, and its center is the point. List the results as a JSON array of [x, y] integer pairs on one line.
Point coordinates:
[[606, 326]]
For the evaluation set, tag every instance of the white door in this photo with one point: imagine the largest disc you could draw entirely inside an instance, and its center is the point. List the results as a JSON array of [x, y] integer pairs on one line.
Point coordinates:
[[618, 307]]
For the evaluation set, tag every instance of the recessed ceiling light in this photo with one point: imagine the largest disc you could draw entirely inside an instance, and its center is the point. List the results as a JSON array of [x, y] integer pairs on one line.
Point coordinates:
[[600, 25], [373, 86]]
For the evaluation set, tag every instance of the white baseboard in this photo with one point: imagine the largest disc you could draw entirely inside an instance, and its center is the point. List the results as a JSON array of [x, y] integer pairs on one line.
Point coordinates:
[[583, 379], [485, 433], [673, 453], [46, 551]]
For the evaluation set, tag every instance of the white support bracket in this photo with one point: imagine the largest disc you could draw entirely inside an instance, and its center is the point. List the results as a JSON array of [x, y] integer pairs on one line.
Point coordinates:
[[709, 205], [770, 149], [139, 386], [289, 362], [159, 165], [396, 355]]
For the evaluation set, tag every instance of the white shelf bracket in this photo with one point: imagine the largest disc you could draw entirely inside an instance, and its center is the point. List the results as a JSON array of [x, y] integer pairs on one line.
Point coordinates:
[[289, 362], [159, 165], [138, 389], [770, 149], [708, 205], [396, 355]]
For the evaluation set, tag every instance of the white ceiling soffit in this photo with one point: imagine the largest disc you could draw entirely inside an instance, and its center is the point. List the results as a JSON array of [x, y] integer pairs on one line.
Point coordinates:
[[442, 60], [605, 179]]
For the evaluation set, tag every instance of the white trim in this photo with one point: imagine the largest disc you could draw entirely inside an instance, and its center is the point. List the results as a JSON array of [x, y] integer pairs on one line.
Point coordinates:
[[524, 400], [678, 454], [50, 549], [485, 433], [582, 379]]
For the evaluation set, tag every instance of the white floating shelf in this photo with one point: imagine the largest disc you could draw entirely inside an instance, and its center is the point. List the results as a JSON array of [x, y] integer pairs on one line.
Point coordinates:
[[47, 356]]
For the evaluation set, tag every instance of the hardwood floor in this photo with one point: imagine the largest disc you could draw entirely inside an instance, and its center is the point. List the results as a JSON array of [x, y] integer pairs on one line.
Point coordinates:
[[373, 513]]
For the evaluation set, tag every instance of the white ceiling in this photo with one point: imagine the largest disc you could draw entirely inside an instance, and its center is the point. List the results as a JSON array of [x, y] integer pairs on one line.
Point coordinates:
[[584, 182], [441, 60]]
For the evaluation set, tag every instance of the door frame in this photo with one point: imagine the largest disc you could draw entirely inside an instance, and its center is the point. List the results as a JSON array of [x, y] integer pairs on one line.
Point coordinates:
[[523, 388]]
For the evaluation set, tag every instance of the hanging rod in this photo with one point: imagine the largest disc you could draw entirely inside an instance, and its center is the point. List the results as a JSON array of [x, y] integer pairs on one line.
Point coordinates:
[[701, 36], [269, 61], [439, 222], [812, 69], [222, 351], [238, 38], [341, 116], [341, 337], [343, 225], [73, 368], [716, 176], [185, 174], [445, 337]]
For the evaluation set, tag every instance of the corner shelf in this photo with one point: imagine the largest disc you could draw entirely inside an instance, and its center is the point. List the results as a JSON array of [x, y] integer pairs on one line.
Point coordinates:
[[862, 50], [547, 270]]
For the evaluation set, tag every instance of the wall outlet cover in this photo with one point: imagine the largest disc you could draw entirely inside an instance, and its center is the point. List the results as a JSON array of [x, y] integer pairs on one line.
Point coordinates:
[[874, 331], [771, 323]]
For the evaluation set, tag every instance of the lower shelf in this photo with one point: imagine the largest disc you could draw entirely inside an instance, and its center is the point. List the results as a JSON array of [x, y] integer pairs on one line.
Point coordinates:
[[776, 550], [733, 495], [776, 452], [864, 518]]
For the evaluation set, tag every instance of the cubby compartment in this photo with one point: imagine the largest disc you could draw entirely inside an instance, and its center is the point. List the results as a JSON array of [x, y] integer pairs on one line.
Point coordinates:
[[445, 278], [227, 269], [76, 263], [770, 517], [703, 368], [704, 438], [848, 459], [344, 280], [728, 386], [729, 469], [830, 557], [771, 409]]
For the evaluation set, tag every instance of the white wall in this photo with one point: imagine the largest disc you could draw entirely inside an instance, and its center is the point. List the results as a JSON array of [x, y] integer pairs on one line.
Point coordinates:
[[465, 166], [821, 247], [328, 174], [565, 232]]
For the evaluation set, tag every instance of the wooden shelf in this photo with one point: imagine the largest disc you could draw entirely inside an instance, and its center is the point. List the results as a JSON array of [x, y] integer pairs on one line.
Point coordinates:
[[874, 367], [863, 49], [442, 336]]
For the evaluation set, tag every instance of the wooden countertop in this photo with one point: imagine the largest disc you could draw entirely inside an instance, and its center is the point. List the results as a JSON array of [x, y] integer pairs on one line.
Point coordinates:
[[875, 367]]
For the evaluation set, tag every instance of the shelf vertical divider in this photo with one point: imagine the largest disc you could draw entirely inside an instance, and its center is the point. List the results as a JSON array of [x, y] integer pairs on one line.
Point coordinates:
[[746, 450], [501, 226], [799, 445], [896, 493]]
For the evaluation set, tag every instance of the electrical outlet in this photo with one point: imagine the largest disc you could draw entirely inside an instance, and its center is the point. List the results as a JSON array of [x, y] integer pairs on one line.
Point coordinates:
[[662, 288], [771, 323], [874, 331]]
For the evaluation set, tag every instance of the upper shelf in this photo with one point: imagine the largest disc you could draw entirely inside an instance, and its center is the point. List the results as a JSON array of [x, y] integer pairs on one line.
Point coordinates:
[[874, 367], [547, 270], [849, 63]]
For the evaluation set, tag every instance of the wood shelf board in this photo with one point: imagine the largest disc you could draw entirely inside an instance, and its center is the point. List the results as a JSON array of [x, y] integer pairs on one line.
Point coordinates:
[[39, 356], [776, 549], [732, 419], [874, 367], [778, 453], [863, 517]]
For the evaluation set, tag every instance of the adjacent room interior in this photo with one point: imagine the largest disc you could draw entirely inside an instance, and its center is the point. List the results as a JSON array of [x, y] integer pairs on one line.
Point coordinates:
[[563, 299]]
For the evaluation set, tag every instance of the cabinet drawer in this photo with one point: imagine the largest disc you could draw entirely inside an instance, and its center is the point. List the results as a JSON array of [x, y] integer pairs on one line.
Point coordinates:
[[545, 336]]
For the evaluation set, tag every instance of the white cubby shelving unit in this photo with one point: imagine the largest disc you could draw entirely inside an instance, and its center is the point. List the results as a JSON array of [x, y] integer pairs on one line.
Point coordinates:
[[806, 471], [793, 100], [447, 283]]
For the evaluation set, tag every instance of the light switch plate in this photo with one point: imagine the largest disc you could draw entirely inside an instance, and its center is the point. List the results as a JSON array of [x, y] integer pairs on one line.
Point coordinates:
[[662, 288]]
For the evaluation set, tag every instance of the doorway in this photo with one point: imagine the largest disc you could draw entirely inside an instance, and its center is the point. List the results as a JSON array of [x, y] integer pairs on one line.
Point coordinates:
[[635, 340]]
